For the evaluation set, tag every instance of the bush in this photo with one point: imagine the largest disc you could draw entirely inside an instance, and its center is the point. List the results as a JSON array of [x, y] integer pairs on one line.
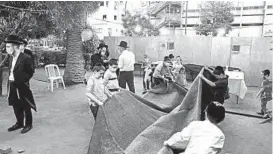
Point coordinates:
[[43, 58]]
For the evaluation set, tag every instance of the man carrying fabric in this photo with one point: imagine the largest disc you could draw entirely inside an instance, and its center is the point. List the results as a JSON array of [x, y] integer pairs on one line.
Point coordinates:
[[126, 63]]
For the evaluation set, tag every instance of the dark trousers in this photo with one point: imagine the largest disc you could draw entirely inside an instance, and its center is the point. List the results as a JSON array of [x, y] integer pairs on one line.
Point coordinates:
[[21, 110], [94, 110], [22, 113], [127, 77]]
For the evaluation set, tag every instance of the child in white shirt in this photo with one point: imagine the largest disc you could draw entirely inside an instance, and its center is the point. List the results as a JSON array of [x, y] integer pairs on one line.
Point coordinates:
[[110, 77], [201, 137], [95, 89]]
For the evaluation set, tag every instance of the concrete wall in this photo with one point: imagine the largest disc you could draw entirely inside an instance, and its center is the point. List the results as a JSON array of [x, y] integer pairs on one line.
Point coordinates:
[[254, 56]]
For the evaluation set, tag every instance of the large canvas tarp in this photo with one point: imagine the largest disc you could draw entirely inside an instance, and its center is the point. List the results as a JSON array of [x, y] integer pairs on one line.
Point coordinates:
[[128, 123], [150, 141]]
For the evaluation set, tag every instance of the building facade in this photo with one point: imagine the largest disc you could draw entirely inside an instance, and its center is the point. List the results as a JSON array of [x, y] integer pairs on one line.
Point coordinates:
[[251, 18], [107, 20]]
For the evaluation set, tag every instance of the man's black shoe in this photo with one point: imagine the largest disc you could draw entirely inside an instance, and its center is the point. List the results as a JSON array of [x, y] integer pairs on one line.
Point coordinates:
[[15, 127], [26, 129]]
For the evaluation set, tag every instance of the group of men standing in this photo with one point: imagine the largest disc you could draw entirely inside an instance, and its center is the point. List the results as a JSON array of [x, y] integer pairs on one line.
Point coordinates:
[[21, 70]]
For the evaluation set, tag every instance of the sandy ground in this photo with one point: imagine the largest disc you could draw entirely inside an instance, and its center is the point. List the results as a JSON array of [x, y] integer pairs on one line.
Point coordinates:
[[63, 123]]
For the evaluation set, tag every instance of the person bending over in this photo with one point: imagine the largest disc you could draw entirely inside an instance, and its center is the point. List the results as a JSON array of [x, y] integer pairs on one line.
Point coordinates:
[[200, 137], [220, 87], [162, 72]]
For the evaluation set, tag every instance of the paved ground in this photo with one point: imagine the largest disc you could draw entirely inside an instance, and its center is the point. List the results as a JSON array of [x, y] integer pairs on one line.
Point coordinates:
[[63, 124]]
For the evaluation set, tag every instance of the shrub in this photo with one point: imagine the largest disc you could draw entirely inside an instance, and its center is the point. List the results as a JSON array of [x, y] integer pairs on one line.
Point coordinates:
[[43, 58]]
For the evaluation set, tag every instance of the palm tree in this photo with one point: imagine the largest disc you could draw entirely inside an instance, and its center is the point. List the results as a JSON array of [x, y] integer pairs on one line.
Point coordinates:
[[71, 16], [74, 70]]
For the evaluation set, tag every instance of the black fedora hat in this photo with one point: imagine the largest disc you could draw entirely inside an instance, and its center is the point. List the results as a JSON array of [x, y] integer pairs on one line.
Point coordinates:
[[13, 39], [123, 44], [24, 41], [101, 45]]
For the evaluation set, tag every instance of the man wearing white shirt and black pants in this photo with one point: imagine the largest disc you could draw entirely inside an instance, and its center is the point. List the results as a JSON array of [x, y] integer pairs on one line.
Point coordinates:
[[126, 63]]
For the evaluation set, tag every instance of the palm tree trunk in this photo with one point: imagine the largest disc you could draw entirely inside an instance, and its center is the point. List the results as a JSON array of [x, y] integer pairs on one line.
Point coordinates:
[[74, 70]]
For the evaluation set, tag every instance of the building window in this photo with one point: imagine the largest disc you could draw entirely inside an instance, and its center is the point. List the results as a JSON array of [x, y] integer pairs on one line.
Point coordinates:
[[104, 17], [107, 2], [177, 10], [269, 6], [99, 30], [115, 17], [245, 8], [172, 10], [101, 3], [235, 49], [170, 45]]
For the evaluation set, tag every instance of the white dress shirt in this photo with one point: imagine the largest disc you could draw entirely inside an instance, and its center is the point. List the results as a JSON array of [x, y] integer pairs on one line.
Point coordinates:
[[126, 61], [199, 137], [14, 60]]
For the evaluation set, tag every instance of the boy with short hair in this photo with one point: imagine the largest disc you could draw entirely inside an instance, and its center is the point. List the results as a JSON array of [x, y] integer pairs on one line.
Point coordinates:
[[201, 137], [265, 92], [171, 56], [95, 89], [147, 70], [220, 86], [110, 77], [162, 72]]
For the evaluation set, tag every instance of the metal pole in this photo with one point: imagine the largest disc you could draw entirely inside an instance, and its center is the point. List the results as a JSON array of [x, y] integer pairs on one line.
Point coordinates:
[[169, 17], [186, 20], [265, 11], [244, 114], [241, 18], [125, 7], [181, 14]]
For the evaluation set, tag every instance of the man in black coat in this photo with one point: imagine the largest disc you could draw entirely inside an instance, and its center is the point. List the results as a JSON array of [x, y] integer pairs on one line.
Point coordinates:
[[19, 93], [28, 52]]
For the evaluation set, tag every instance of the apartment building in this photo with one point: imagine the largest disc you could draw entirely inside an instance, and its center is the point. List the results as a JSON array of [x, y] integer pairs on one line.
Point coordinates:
[[251, 18], [107, 20]]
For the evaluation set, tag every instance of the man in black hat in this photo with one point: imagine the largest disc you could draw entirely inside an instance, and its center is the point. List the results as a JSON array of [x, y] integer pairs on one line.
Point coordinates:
[[19, 93], [97, 58], [126, 63]]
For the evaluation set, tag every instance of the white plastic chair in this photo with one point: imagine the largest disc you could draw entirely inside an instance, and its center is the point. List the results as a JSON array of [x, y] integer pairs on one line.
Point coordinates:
[[53, 74]]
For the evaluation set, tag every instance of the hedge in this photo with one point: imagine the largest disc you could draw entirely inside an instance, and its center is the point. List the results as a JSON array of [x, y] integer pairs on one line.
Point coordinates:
[[43, 58]]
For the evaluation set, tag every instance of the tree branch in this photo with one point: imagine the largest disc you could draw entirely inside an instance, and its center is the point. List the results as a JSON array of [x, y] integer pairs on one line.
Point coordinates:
[[21, 9], [15, 31]]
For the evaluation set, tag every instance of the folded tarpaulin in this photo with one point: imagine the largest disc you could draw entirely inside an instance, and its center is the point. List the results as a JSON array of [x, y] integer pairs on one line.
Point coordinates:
[[165, 97], [150, 141], [192, 70], [128, 123]]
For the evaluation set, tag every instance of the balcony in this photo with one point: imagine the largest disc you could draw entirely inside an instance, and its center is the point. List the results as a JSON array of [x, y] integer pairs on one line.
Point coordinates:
[[248, 19]]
